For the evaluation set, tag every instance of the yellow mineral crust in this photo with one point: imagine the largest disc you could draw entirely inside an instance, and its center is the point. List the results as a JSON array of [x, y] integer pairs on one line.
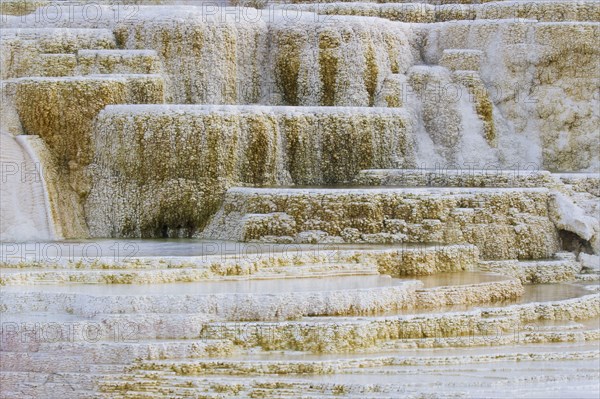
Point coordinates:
[[349, 334], [493, 219], [61, 111], [164, 169], [410, 260], [46, 51]]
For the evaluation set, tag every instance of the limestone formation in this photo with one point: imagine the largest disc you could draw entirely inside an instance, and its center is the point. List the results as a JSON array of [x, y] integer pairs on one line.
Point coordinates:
[[250, 199], [495, 220], [163, 170]]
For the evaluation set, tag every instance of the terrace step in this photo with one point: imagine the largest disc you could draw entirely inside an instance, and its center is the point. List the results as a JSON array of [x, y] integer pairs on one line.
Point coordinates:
[[114, 355], [97, 62], [563, 267], [23, 264], [182, 274], [266, 145], [462, 59], [55, 65], [558, 303], [118, 62], [286, 299], [492, 219], [61, 110], [444, 177], [431, 11], [582, 182], [289, 365], [26, 51]]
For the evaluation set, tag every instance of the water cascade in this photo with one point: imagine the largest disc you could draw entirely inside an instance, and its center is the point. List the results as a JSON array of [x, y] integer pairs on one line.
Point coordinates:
[[26, 214]]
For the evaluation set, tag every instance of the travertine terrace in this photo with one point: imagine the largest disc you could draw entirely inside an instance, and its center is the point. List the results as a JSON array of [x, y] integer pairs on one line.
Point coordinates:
[[299, 199]]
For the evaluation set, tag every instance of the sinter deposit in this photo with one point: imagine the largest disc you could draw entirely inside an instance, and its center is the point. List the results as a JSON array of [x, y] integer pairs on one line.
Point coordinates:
[[299, 199]]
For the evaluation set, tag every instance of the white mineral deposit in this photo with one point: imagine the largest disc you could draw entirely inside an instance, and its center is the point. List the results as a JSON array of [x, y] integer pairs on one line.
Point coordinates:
[[300, 199]]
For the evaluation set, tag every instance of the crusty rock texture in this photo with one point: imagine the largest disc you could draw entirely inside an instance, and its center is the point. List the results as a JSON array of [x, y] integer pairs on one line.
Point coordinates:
[[503, 223], [163, 170], [368, 199]]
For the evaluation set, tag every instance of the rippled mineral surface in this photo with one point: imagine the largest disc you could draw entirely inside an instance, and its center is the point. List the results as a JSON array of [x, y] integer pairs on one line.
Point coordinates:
[[300, 199]]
